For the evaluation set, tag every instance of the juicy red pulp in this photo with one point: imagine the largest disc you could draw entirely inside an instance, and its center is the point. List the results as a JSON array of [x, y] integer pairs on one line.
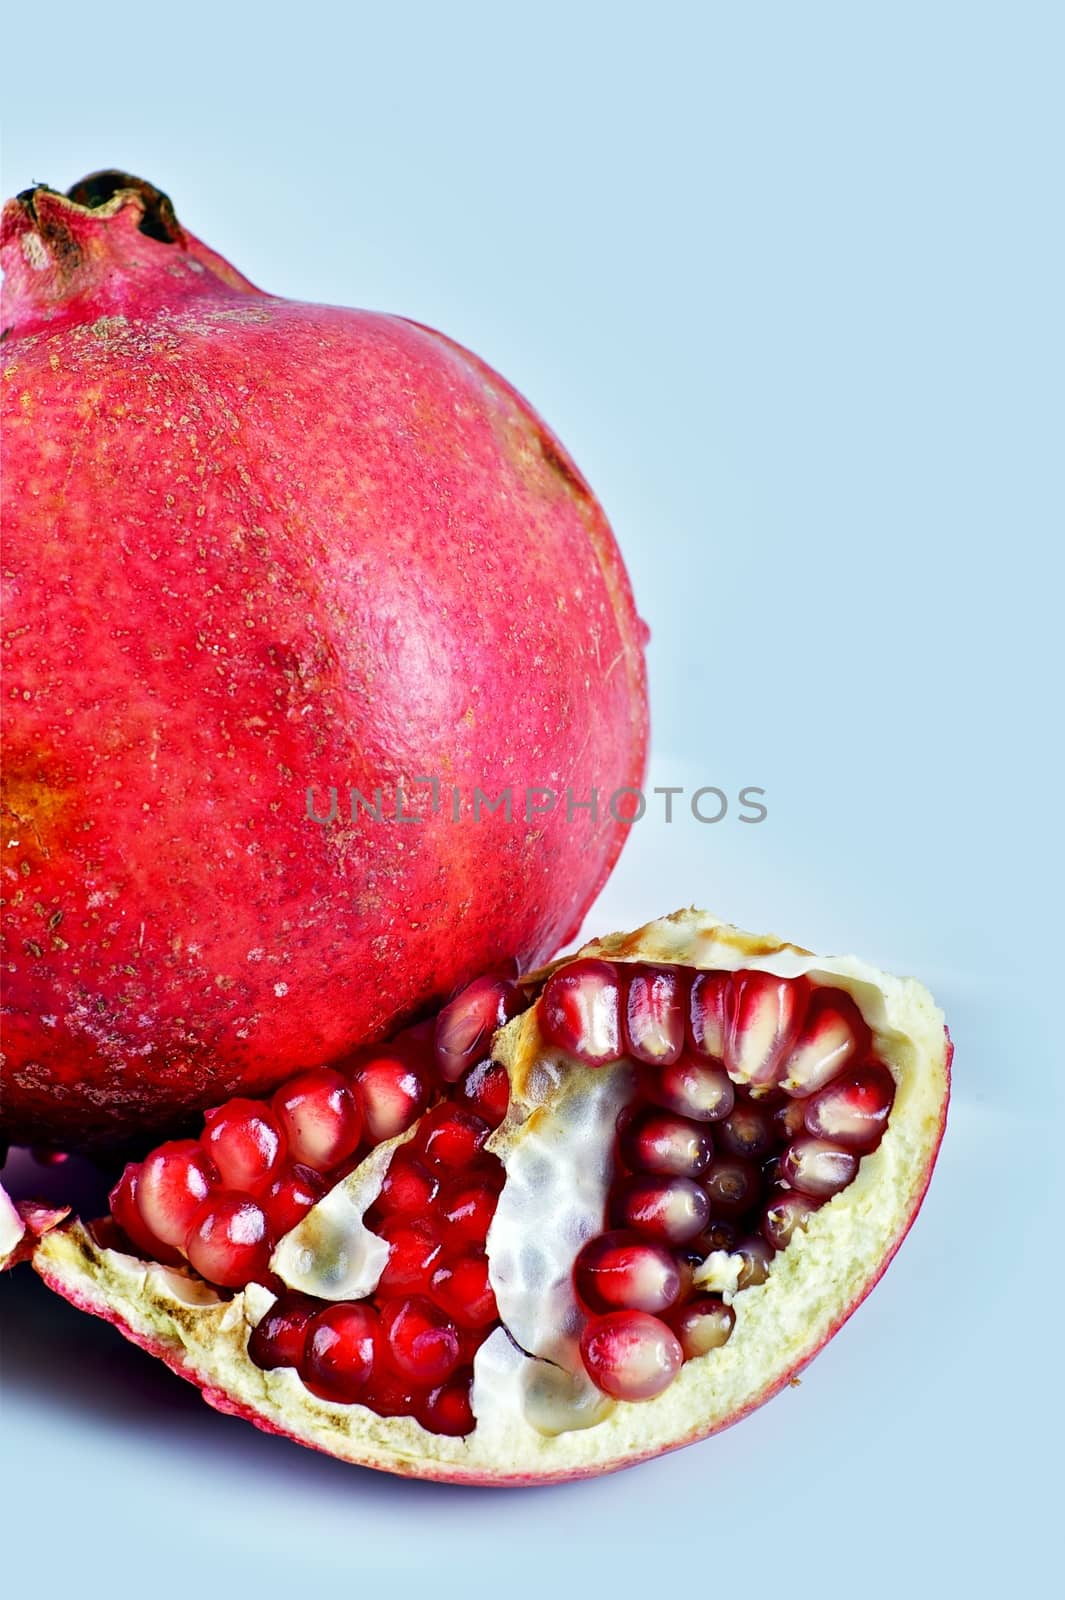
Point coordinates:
[[755, 1099]]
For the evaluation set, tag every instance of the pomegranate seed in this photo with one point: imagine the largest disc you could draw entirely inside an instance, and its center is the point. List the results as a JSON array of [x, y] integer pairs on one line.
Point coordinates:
[[655, 1008], [704, 1324], [619, 1271], [229, 1241], [579, 1012], [279, 1338], [732, 1186], [408, 1185], [486, 1090], [757, 1257], [673, 1210], [319, 1117], [748, 1132], [244, 1140], [172, 1185], [693, 1089], [658, 1141], [452, 1136], [833, 1034], [853, 1110], [630, 1355], [816, 1167], [467, 1210], [708, 1013], [463, 1289], [447, 1409], [389, 1396], [414, 1254], [788, 1120], [341, 1352], [393, 1092], [291, 1195], [766, 1014], [719, 1235], [465, 1027], [124, 1209], [784, 1213], [423, 1344]]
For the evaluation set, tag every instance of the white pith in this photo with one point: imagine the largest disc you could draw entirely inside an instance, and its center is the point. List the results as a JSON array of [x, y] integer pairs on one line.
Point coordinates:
[[518, 1401]]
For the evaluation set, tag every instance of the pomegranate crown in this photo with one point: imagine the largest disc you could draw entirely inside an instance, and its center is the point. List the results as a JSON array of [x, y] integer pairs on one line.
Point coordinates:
[[110, 246]]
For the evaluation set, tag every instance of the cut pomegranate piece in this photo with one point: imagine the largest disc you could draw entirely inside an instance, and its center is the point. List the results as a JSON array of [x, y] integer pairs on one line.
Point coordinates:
[[631, 1355], [704, 1324], [852, 1110], [341, 1350], [280, 1338], [659, 1141], [655, 1007], [818, 1168], [229, 1241], [579, 1012], [464, 1029], [172, 1185], [765, 1017], [320, 1119], [479, 1299], [243, 1138], [619, 1271], [693, 1089], [422, 1343]]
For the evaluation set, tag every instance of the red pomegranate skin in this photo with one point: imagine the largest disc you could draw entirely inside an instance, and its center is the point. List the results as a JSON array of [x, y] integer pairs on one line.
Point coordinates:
[[253, 546]]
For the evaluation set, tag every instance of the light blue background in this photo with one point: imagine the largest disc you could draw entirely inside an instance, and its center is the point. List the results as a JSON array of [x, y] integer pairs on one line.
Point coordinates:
[[787, 279]]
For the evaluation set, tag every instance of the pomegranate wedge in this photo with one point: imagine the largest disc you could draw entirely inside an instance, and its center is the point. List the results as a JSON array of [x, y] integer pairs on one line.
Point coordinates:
[[664, 1184]]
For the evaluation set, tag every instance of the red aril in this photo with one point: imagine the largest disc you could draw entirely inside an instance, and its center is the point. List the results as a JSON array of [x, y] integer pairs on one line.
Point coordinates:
[[732, 1186], [693, 1089], [785, 1212], [659, 1141], [421, 1342], [415, 1252], [280, 1338], [818, 1168], [446, 1410], [126, 1212], [451, 1136], [467, 1211], [463, 1289], [709, 1006], [833, 1035], [703, 1324], [486, 1090], [580, 1012], [341, 1351], [409, 1185], [673, 1210], [290, 1196], [618, 1271], [245, 1143], [765, 1016], [630, 1355], [172, 1185], [464, 1029], [655, 1006], [852, 1110], [319, 1117], [748, 1132], [229, 1241], [393, 1091]]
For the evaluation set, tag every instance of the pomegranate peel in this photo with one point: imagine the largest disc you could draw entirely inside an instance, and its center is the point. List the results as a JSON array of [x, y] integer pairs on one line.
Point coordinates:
[[537, 1414]]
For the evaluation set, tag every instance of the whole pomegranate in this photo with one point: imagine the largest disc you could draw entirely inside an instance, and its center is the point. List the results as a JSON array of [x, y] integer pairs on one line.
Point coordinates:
[[257, 552]]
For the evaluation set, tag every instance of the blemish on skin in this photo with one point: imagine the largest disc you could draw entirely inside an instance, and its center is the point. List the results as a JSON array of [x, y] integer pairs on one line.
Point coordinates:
[[281, 989]]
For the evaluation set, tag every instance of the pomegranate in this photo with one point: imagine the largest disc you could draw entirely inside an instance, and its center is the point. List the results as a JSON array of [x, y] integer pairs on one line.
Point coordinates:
[[267, 563], [543, 1272]]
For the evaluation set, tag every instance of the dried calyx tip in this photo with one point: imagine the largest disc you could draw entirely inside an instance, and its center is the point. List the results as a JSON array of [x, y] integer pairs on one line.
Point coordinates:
[[158, 220]]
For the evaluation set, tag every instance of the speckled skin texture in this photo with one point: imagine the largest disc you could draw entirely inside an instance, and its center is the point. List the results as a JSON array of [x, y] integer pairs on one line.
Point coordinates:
[[252, 546]]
